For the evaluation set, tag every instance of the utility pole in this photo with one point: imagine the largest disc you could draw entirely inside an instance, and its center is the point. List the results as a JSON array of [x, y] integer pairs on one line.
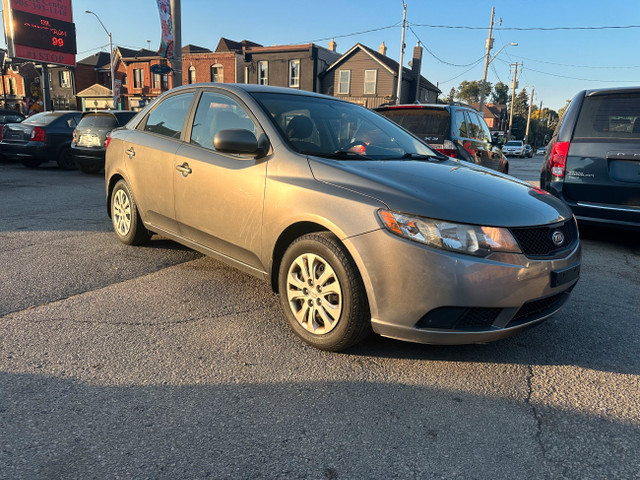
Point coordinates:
[[404, 23], [486, 61], [526, 135], [176, 61], [513, 97]]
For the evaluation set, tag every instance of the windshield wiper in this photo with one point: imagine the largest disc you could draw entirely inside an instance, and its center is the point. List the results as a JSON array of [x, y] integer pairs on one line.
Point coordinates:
[[343, 155], [419, 156]]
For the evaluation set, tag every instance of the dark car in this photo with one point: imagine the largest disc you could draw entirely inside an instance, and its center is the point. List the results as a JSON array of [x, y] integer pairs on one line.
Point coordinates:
[[357, 223], [88, 145], [41, 138], [9, 116], [593, 160], [456, 130]]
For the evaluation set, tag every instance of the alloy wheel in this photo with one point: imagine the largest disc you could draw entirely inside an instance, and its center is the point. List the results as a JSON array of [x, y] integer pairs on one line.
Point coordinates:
[[121, 212]]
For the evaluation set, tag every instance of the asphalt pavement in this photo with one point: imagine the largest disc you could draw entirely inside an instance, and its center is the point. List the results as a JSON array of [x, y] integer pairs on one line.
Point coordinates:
[[157, 362]]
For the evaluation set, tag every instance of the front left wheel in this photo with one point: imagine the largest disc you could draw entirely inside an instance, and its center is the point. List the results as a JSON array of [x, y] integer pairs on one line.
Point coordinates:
[[126, 220], [322, 294]]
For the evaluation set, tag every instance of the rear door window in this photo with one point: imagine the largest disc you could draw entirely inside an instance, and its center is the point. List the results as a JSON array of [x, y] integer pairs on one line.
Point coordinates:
[[609, 116], [168, 117]]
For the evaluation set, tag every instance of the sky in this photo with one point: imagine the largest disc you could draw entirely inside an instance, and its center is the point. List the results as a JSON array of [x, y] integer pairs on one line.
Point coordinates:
[[558, 63]]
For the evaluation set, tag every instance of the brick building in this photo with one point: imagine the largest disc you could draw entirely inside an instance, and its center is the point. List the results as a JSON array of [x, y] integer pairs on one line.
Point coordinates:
[[13, 89], [200, 64], [139, 85]]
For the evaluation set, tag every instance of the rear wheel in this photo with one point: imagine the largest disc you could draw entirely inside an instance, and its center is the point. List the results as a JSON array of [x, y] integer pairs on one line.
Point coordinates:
[[65, 159], [125, 217], [322, 293]]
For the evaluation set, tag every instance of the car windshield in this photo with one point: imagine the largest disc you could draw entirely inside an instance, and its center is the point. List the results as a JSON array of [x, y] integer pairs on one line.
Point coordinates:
[[44, 118], [514, 143], [340, 130]]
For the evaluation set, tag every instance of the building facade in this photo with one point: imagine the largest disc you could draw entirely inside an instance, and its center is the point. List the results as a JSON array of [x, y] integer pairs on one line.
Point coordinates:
[[200, 64], [370, 78]]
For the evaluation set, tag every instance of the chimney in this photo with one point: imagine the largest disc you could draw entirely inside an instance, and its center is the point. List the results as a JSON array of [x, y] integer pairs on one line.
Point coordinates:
[[383, 49], [333, 45], [416, 65]]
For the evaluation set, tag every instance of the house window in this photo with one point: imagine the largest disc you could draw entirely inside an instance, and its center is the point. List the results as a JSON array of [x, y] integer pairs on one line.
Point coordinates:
[[165, 82], [12, 86], [370, 80], [156, 80], [65, 78], [138, 78], [344, 82], [192, 75], [294, 73], [263, 72], [124, 79], [246, 74], [217, 73]]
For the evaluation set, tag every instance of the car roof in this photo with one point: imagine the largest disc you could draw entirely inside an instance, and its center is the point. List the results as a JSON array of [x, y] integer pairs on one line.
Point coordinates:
[[611, 91], [107, 112], [253, 88], [6, 111], [442, 106]]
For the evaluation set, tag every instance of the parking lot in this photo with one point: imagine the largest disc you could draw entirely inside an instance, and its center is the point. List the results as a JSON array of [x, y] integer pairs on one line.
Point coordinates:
[[158, 362]]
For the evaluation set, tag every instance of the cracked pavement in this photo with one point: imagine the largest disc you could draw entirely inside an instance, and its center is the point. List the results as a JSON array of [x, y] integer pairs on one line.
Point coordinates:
[[157, 362]]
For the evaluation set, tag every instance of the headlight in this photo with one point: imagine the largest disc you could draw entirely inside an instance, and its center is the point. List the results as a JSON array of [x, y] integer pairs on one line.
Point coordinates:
[[456, 237]]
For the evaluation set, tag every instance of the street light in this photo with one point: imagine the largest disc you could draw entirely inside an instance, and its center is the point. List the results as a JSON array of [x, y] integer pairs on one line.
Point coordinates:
[[486, 66], [113, 77]]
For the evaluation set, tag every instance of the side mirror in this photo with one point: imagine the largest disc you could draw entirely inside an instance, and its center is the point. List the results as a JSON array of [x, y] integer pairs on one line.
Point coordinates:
[[239, 141]]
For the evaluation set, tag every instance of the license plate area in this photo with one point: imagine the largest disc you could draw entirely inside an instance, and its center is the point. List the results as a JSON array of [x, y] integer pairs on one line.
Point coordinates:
[[566, 275]]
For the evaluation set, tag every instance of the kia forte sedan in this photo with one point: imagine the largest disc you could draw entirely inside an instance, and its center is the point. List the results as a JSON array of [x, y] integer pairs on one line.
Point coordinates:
[[357, 224]]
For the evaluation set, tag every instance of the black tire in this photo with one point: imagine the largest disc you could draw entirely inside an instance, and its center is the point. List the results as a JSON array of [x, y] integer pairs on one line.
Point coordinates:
[[125, 218], [65, 159], [353, 322], [30, 163], [89, 169]]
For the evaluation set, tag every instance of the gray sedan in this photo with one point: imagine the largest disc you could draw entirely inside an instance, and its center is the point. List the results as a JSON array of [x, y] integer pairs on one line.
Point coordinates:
[[358, 224]]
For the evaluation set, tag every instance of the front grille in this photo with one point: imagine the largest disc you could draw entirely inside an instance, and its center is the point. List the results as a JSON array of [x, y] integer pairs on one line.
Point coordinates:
[[537, 241], [459, 318], [538, 308], [478, 317]]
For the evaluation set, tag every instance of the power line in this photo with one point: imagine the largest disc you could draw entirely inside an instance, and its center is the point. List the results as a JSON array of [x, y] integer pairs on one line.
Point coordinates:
[[577, 78], [352, 34], [438, 58], [575, 66], [463, 27], [466, 71]]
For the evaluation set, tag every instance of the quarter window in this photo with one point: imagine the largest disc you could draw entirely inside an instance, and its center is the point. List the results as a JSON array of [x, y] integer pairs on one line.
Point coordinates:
[[168, 117], [461, 124], [344, 82], [370, 80], [263, 72], [217, 112], [294, 73]]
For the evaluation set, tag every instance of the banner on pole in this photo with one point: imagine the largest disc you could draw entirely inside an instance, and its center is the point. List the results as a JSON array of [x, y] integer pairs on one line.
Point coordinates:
[[166, 23]]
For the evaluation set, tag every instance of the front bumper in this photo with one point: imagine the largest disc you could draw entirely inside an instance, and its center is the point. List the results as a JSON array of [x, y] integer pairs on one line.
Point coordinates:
[[426, 295]]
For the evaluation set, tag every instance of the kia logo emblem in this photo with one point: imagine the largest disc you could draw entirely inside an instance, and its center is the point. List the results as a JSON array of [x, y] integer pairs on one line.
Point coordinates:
[[557, 238]]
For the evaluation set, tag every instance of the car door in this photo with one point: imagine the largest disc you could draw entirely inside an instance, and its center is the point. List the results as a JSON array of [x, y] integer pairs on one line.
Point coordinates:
[[149, 157], [219, 197]]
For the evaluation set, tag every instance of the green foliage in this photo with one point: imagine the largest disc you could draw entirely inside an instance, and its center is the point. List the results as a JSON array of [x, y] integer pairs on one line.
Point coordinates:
[[450, 97], [500, 95], [469, 92]]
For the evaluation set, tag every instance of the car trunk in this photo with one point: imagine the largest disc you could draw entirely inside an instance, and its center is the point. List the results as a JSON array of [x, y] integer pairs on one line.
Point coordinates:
[[603, 161], [18, 132], [92, 130]]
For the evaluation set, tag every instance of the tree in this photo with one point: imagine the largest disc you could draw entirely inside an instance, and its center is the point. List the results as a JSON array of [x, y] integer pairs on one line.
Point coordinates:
[[451, 97], [469, 92], [563, 109], [521, 104], [500, 95]]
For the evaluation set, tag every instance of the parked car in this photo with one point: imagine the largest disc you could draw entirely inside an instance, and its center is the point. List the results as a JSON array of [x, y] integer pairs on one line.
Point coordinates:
[[541, 150], [41, 138], [528, 151], [456, 130], [89, 137], [594, 160], [514, 148], [358, 224], [9, 116]]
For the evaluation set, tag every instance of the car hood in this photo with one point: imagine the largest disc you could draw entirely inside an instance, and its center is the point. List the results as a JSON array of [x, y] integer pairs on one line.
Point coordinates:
[[447, 190]]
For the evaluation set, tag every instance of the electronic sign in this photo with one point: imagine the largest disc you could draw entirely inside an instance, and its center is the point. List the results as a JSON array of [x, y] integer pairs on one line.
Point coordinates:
[[40, 30]]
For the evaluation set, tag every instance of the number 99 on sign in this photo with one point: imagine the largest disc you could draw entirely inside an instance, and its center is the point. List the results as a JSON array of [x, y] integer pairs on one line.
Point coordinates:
[[58, 42]]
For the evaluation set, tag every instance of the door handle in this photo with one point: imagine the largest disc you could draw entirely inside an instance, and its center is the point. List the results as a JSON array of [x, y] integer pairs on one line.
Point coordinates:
[[131, 152], [184, 169]]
